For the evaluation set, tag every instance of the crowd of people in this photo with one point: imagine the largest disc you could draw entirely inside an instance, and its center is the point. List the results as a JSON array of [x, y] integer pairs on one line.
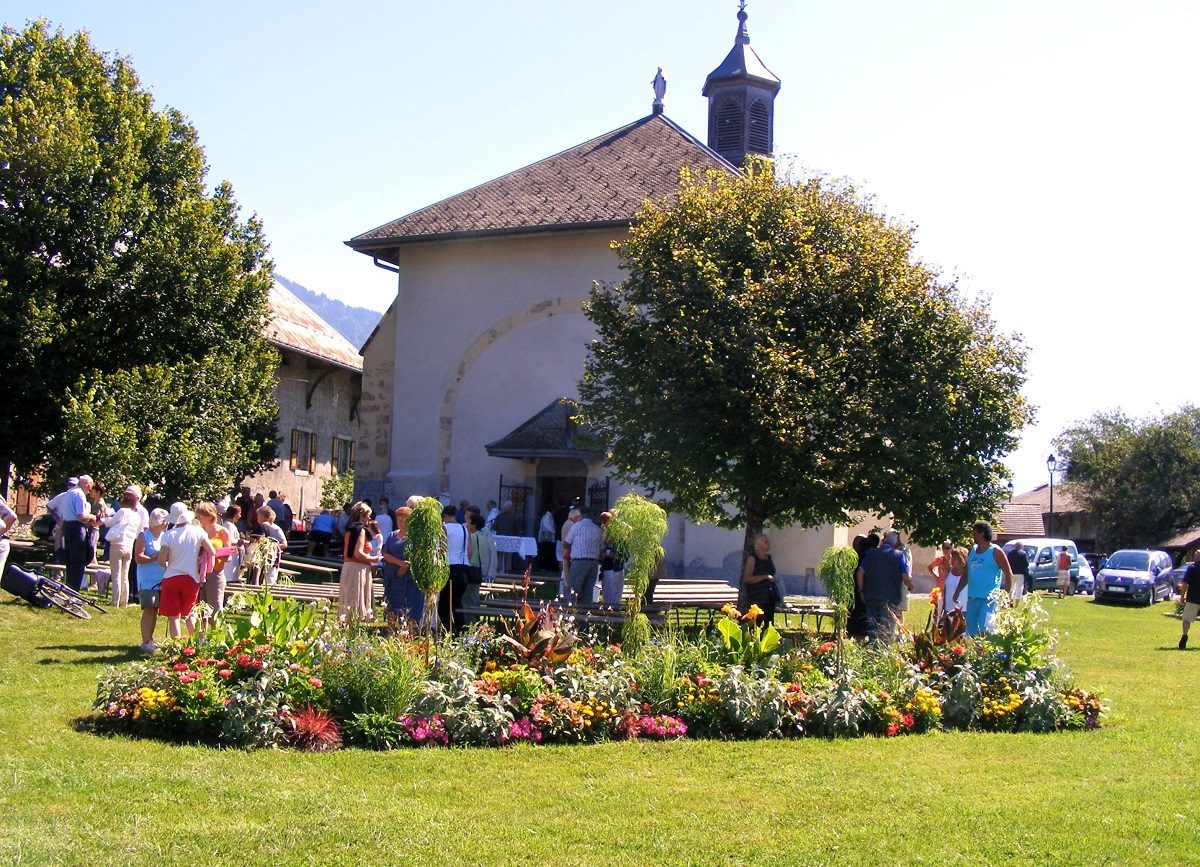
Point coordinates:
[[966, 583]]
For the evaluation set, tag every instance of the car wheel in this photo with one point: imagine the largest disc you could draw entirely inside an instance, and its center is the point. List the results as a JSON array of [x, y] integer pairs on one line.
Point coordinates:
[[1153, 597], [1073, 589]]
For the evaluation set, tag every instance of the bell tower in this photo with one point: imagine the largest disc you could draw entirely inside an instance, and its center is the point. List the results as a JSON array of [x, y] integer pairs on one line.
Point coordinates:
[[741, 101]]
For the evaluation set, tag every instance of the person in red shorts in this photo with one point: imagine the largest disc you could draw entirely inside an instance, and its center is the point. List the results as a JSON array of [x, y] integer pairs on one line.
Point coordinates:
[[180, 552]]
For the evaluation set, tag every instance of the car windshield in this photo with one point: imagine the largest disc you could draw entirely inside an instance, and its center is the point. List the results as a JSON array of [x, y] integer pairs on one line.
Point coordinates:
[[1136, 560]]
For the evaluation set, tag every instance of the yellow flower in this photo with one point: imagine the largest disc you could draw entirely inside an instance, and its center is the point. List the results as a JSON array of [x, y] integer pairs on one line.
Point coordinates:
[[754, 612]]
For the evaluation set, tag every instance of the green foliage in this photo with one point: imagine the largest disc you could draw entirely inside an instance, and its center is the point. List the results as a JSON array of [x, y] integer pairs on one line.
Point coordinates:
[[425, 546], [368, 679], [114, 257], [337, 491], [745, 642], [288, 624], [636, 531], [1139, 478], [836, 570], [184, 430], [766, 354], [376, 731]]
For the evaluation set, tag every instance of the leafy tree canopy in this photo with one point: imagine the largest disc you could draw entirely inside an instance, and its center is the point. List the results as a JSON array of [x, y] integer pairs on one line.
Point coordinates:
[[778, 354], [114, 257], [1140, 478]]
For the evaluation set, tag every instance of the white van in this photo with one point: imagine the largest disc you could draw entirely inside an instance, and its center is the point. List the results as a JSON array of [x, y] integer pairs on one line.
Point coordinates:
[[1043, 568]]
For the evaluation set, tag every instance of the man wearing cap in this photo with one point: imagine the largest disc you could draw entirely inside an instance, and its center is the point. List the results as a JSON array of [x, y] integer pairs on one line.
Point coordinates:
[[76, 518], [179, 552]]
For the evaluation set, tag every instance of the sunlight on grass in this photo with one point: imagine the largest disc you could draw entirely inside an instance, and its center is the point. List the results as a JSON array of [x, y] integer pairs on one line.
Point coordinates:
[[1117, 795]]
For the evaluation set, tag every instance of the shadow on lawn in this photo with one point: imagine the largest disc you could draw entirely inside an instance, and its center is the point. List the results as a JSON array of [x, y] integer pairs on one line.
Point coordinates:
[[112, 654]]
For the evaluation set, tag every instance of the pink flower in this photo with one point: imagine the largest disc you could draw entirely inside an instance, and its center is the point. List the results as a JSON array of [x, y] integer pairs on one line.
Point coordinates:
[[908, 721], [179, 666], [224, 672], [314, 682], [189, 651], [892, 730], [295, 666]]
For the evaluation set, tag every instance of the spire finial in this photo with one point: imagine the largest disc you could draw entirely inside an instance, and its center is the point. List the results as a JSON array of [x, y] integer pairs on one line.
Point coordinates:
[[743, 35], [660, 89]]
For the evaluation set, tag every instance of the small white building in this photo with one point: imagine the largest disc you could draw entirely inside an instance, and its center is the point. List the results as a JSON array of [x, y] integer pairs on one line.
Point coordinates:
[[468, 379]]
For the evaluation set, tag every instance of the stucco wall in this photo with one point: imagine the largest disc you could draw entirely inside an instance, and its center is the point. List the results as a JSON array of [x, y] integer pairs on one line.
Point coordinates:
[[497, 328], [329, 416]]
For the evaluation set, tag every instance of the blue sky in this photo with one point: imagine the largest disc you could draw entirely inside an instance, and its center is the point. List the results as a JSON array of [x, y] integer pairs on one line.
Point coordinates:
[[1045, 150]]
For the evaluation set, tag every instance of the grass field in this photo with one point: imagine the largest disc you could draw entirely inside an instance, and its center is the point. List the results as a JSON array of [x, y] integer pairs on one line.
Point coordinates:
[[1127, 794]]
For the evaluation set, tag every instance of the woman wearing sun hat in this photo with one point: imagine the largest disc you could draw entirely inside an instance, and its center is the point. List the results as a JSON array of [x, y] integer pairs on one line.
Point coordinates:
[[180, 550]]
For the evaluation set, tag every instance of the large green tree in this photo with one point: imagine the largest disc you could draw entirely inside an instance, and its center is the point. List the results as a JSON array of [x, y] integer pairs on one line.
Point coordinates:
[[777, 354], [114, 257], [1139, 478]]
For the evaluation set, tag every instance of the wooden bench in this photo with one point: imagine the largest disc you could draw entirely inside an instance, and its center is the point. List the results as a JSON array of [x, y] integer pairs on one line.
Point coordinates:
[[306, 592], [299, 566]]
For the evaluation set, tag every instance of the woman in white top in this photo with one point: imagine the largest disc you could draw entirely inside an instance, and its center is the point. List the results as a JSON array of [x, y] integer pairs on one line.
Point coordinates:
[[233, 563], [123, 526], [954, 576]]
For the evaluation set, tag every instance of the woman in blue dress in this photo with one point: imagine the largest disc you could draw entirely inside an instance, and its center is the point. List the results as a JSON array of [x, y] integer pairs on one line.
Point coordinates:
[[402, 597]]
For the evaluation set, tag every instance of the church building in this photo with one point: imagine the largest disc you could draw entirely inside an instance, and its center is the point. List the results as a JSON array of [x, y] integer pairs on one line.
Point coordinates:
[[469, 379]]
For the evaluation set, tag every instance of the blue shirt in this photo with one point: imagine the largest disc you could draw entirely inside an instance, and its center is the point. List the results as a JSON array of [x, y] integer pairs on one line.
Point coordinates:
[[73, 505], [983, 572], [323, 523], [150, 575]]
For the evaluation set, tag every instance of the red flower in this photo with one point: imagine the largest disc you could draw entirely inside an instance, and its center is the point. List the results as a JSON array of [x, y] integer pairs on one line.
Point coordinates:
[[908, 721], [179, 666], [200, 693], [224, 672], [189, 651], [243, 659], [958, 650], [892, 730]]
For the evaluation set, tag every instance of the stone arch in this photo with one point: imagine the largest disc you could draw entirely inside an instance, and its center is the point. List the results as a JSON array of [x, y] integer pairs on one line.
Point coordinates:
[[541, 310]]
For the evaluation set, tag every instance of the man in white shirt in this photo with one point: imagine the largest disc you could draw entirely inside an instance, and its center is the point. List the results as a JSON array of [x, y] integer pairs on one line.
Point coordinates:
[[76, 516], [581, 548]]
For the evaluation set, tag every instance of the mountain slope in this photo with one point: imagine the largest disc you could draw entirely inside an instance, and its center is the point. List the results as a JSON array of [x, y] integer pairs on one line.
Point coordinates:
[[353, 323]]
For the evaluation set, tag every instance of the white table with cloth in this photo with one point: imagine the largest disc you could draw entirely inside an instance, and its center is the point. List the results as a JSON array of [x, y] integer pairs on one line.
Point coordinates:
[[526, 546]]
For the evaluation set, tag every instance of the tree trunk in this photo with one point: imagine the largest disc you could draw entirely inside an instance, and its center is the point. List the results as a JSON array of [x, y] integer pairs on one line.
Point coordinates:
[[756, 517], [7, 475]]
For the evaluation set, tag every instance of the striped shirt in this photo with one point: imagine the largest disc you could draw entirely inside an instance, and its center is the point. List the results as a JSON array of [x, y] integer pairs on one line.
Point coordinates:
[[585, 539]]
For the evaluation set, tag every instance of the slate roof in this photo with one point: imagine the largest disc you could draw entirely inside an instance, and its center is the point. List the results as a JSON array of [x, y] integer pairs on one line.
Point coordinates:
[[296, 327], [1020, 520], [549, 434], [1186, 539], [1064, 499], [599, 183], [742, 61]]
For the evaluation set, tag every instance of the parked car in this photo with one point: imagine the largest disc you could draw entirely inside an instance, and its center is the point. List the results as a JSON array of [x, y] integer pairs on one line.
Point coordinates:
[[1138, 574], [1176, 578], [1087, 578], [1043, 568], [1096, 561]]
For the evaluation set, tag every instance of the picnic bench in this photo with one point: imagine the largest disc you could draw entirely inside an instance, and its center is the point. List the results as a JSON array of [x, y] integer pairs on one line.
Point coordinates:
[[817, 610], [327, 590]]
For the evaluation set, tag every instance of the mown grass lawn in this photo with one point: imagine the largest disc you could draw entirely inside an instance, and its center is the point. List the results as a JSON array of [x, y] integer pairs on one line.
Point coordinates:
[[1125, 795]]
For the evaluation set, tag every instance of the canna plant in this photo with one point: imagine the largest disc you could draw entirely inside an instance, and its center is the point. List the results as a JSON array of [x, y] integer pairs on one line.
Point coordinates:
[[636, 530], [836, 571]]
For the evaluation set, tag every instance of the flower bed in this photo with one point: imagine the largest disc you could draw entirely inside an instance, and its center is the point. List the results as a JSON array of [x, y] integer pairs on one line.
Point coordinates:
[[282, 677]]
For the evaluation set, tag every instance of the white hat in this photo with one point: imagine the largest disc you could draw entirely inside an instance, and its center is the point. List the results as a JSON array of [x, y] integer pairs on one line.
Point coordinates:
[[158, 516], [180, 514], [135, 490]]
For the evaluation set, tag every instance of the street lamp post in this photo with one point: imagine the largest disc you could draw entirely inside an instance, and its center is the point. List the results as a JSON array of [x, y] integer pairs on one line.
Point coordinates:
[[1051, 466]]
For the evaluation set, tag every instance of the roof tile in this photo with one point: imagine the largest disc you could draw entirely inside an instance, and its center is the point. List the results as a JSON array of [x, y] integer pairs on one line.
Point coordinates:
[[602, 181]]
